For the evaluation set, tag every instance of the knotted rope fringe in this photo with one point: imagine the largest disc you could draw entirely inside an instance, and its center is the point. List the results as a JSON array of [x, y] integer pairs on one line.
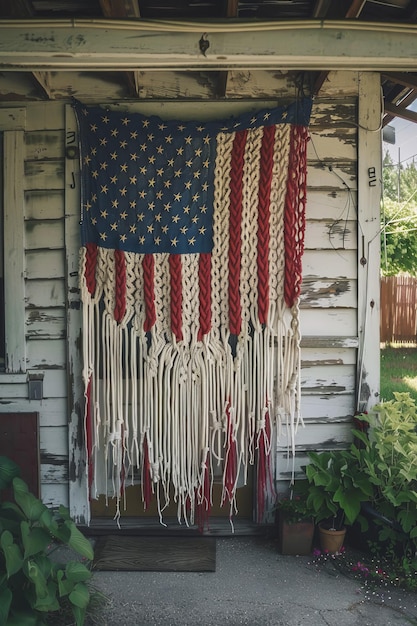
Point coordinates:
[[191, 362]]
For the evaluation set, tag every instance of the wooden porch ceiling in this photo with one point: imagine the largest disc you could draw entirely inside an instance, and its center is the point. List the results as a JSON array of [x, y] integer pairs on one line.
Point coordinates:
[[399, 88]]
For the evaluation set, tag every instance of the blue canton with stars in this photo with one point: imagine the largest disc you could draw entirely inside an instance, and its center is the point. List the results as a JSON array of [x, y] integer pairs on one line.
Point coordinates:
[[148, 185]]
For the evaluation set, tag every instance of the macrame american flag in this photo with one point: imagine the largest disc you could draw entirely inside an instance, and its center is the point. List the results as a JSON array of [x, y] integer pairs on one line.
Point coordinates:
[[190, 273]]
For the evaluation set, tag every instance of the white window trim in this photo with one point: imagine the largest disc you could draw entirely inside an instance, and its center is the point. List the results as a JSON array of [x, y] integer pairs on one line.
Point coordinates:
[[12, 123]]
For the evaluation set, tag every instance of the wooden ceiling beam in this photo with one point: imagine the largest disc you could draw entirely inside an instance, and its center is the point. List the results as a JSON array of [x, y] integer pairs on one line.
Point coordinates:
[[322, 6], [320, 9], [408, 80], [120, 9], [401, 111], [130, 45], [355, 9], [232, 10]]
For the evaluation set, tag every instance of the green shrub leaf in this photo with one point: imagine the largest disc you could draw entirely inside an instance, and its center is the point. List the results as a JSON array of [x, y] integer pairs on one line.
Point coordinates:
[[80, 596], [35, 540], [8, 471], [77, 571], [12, 553], [5, 602], [30, 505], [79, 542]]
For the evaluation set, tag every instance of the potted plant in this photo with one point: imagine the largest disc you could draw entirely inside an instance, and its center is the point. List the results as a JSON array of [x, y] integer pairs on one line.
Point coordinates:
[[295, 523], [337, 486]]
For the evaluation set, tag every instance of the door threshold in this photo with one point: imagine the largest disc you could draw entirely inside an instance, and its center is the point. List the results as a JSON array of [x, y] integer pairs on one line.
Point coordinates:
[[217, 527]]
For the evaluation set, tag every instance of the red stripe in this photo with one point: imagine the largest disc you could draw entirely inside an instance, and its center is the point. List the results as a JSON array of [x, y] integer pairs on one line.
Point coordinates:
[[204, 281], [294, 215], [265, 178], [235, 228], [175, 274], [146, 476], [148, 266], [120, 287], [90, 266]]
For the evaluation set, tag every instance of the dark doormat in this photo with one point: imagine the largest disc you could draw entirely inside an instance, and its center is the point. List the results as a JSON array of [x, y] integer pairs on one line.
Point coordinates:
[[155, 554]]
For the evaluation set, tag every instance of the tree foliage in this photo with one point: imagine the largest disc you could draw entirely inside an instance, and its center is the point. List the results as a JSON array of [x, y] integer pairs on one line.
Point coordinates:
[[399, 218]]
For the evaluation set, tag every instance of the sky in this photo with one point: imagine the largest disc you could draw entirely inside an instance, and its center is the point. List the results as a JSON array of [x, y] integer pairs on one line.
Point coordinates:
[[405, 147]]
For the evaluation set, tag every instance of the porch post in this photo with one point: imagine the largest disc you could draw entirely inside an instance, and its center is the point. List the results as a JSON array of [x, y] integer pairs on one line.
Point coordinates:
[[369, 198]]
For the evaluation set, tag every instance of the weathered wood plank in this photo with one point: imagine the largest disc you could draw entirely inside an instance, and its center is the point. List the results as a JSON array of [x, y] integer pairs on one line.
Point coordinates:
[[368, 262], [328, 292], [41, 292], [53, 443], [13, 255], [327, 355], [259, 84], [78, 489], [331, 174], [45, 116], [12, 118], [55, 494], [44, 204], [310, 45], [334, 204], [42, 354], [330, 263], [328, 117], [44, 145], [327, 408], [332, 144], [328, 322], [44, 174], [328, 341], [320, 380], [49, 323], [45, 234], [52, 411], [45, 264], [319, 436], [335, 234], [343, 83], [54, 473]]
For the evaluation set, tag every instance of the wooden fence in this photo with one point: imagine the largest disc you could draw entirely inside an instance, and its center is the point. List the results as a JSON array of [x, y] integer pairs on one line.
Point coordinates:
[[398, 309]]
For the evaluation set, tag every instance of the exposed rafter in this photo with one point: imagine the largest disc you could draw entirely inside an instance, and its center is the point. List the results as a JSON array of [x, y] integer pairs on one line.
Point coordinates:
[[43, 79], [122, 9], [400, 111]]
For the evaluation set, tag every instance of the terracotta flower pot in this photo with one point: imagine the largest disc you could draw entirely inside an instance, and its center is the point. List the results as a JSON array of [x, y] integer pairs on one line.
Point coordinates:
[[295, 538], [331, 540]]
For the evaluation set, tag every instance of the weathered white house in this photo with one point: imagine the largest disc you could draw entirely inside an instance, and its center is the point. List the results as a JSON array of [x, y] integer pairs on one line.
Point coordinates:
[[258, 64]]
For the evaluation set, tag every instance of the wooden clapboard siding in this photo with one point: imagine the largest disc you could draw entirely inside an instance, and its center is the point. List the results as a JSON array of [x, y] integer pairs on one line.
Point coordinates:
[[329, 299], [328, 315], [41, 233]]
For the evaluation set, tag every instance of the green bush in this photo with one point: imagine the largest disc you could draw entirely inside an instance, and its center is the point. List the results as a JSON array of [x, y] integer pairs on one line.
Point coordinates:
[[32, 585]]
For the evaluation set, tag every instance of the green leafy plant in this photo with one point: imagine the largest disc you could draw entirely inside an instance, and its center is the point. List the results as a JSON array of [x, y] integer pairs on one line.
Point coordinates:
[[391, 465], [32, 584], [337, 486]]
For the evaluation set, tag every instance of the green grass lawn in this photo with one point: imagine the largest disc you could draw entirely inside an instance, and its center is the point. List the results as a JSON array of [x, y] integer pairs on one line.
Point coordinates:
[[398, 371]]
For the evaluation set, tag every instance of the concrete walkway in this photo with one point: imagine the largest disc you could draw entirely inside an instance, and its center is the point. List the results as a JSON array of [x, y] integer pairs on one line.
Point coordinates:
[[253, 585]]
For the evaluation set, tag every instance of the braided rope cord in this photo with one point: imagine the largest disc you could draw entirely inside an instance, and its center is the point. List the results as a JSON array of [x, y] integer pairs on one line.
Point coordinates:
[[204, 281], [175, 269], [244, 400], [235, 231], [265, 184], [148, 264], [294, 220], [120, 285], [219, 333]]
